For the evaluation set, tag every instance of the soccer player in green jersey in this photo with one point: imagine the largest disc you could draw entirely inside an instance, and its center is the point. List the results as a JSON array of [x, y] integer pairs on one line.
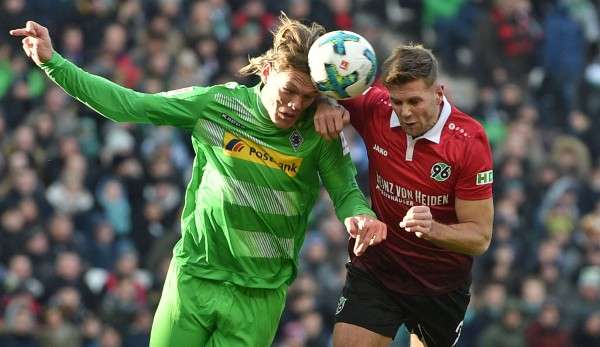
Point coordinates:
[[256, 177]]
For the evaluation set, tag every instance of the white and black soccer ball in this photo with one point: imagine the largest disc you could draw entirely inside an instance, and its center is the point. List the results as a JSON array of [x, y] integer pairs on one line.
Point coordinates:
[[342, 64]]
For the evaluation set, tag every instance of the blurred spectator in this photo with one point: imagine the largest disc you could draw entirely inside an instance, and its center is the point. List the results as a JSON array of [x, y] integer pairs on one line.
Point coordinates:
[[587, 332], [545, 330], [57, 332], [507, 332]]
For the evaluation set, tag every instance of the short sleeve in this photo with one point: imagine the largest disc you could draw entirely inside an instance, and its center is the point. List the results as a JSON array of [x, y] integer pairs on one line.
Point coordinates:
[[362, 107], [476, 174]]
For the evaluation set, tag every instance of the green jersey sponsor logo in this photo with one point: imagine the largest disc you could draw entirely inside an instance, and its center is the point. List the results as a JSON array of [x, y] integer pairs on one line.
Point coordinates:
[[251, 151], [485, 177], [441, 171]]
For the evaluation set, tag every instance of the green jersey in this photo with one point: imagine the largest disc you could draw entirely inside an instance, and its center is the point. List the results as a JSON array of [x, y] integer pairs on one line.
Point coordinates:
[[253, 185]]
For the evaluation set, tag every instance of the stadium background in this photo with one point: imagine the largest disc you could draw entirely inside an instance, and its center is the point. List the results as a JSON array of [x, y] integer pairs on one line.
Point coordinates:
[[89, 209]]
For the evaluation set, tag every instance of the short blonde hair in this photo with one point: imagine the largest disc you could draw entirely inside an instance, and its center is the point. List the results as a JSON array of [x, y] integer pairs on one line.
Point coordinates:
[[409, 63], [291, 43]]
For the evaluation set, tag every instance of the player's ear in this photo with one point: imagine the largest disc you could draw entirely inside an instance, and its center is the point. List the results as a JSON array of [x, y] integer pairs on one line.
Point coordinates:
[[264, 72], [439, 93]]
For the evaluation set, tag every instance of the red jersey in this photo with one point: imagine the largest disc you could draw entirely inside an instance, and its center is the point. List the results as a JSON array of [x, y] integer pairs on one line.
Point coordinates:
[[451, 160]]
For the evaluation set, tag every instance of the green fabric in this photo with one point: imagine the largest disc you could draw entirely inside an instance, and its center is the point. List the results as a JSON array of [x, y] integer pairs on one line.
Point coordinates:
[[495, 130], [253, 185], [36, 83], [434, 9], [6, 77], [202, 312]]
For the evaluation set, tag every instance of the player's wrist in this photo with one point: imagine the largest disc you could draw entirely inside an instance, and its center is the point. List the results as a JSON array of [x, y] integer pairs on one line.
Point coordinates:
[[435, 231]]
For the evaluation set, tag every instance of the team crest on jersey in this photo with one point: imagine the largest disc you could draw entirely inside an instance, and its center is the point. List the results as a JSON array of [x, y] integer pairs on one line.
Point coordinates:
[[340, 305], [296, 140], [441, 171]]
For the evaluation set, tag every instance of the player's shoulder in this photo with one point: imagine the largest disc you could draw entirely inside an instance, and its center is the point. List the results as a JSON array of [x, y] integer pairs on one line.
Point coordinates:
[[230, 88], [377, 94], [464, 126]]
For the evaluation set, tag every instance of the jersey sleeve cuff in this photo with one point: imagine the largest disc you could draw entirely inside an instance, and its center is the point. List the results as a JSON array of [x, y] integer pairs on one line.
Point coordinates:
[[54, 61]]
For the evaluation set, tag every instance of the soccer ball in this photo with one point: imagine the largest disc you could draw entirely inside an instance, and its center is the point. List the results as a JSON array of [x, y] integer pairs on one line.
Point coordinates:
[[342, 64]]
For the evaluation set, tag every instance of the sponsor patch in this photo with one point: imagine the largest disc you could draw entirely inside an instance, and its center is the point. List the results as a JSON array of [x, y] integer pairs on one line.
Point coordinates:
[[485, 177], [245, 149]]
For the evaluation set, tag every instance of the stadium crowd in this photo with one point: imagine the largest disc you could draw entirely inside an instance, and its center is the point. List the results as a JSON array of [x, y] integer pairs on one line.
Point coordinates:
[[89, 209]]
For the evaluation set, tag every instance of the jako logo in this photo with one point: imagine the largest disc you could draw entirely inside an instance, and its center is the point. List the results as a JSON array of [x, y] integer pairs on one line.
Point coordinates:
[[245, 149], [234, 145], [380, 150]]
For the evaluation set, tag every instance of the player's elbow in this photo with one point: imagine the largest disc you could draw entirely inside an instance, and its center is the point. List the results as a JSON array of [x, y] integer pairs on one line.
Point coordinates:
[[483, 244]]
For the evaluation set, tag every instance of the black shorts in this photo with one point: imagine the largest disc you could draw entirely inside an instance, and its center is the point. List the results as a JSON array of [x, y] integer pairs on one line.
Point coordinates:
[[436, 319]]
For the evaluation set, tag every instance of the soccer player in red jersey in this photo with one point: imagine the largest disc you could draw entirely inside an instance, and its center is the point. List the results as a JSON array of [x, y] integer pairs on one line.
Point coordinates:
[[430, 176]]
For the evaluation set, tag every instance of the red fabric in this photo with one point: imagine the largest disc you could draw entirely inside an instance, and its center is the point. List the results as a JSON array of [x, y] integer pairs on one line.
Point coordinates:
[[128, 71], [113, 282], [404, 263], [514, 33], [538, 336], [343, 21]]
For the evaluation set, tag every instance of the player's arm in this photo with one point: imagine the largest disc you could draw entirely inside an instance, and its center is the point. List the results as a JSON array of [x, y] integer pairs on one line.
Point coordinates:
[[331, 116], [473, 205], [107, 98], [471, 235], [338, 175]]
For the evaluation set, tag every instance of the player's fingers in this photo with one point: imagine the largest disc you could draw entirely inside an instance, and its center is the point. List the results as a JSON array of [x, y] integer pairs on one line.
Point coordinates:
[[409, 223], [345, 117], [331, 127], [419, 209], [376, 238], [418, 229], [27, 46], [34, 28], [31, 29], [339, 122], [421, 215], [351, 226], [382, 231], [362, 238], [317, 122], [360, 248], [27, 50], [19, 32], [358, 245], [406, 218], [323, 131]]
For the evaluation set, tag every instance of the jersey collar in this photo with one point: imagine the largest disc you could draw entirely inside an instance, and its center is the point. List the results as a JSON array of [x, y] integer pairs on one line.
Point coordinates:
[[435, 133]]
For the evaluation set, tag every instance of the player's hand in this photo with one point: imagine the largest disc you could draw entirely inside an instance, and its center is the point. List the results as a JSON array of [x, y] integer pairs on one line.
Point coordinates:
[[36, 42], [330, 118], [418, 220], [367, 231]]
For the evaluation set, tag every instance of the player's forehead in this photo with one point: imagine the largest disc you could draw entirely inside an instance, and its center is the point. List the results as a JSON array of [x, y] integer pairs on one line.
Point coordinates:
[[298, 80], [412, 89]]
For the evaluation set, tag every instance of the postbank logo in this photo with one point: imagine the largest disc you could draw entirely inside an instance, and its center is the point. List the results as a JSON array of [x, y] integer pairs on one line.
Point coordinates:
[[245, 149]]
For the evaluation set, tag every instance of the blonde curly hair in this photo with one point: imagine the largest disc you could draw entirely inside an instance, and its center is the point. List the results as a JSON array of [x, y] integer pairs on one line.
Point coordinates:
[[291, 42]]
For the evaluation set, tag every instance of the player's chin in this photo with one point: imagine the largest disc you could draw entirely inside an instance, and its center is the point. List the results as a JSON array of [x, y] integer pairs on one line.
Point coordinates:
[[284, 122]]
